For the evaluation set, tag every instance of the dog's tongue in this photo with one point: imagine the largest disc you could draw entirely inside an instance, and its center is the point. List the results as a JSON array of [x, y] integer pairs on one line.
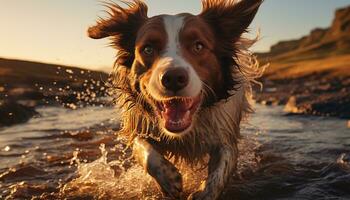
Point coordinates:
[[175, 110], [177, 115]]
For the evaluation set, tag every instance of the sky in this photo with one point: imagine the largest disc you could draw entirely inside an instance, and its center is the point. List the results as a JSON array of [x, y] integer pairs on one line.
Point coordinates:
[[55, 31]]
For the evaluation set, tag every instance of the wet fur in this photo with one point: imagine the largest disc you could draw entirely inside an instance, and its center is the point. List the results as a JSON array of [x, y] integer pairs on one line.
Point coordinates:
[[220, 116], [224, 115]]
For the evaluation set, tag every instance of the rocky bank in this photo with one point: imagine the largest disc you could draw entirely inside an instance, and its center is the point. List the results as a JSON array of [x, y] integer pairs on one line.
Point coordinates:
[[311, 75]]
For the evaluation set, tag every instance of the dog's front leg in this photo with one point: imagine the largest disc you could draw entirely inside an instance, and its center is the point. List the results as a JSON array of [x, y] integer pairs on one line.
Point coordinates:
[[166, 175], [222, 162]]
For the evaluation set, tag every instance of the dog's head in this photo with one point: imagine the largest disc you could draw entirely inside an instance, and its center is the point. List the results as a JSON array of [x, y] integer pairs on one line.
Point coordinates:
[[178, 63]]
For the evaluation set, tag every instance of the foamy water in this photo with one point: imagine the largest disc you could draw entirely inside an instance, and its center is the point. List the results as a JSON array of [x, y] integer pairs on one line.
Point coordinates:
[[75, 154], [102, 178]]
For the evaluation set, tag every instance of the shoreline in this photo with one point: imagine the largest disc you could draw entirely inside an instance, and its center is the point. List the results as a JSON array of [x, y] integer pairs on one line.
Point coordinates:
[[315, 94], [25, 85]]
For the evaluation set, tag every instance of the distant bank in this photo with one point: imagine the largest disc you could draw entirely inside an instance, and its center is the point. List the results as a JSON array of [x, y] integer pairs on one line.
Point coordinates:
[[25, 85], [311, 75]]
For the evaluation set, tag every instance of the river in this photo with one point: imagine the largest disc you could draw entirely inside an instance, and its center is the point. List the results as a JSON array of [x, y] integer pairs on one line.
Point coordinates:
[[75, 154]]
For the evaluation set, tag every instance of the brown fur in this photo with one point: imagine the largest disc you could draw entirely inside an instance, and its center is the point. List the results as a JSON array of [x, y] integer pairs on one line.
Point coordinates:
[[226, 67], [137, 115]]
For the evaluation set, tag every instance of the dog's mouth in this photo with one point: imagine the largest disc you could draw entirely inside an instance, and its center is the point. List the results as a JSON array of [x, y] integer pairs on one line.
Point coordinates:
[[177, 113]]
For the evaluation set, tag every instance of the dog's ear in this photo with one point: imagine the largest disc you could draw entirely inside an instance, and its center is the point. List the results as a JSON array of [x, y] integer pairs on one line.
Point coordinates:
[[229, 19], [122, 25]]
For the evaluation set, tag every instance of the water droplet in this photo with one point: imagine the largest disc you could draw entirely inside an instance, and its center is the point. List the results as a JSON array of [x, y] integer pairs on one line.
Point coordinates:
[[69, 71], [71, 106], [7, 148]]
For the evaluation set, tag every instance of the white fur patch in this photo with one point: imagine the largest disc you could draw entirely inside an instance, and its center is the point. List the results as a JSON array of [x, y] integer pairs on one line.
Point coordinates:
[[173, 26], [172, 58]]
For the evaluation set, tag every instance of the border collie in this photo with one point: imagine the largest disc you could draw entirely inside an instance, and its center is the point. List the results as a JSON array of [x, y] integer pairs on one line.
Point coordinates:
[[183, 85]]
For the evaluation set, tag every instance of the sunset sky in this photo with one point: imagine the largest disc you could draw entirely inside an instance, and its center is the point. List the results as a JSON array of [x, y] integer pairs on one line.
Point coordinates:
[[55, 31]]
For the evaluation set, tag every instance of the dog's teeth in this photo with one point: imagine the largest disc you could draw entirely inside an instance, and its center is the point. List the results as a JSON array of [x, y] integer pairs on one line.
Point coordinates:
[[176, 123]]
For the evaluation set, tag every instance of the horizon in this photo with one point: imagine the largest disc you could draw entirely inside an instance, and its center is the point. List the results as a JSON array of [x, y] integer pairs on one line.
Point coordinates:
[[65, 42]]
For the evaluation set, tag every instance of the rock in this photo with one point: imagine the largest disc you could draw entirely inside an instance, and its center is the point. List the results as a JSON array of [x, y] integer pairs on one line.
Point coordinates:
[[13, 113], [341, 22], [291, 106], [300, 104], [315, 36], [284, 46], [335, 38]]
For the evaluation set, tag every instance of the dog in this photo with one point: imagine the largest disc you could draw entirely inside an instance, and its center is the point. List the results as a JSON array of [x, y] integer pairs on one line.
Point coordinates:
[[183, 85]]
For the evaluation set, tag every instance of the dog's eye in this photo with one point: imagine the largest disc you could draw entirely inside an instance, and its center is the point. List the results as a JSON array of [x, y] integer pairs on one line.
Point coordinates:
[[198, 47], [148, 50]]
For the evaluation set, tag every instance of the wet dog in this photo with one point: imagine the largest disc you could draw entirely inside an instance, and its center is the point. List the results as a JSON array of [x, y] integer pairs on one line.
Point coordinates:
[[183, 85]]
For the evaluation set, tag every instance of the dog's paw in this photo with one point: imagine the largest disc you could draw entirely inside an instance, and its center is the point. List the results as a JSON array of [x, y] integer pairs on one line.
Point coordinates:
[[168, 178]]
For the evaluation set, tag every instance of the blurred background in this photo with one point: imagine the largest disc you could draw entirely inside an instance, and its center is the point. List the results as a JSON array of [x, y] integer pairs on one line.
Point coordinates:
[[55, 111], [55, 32]]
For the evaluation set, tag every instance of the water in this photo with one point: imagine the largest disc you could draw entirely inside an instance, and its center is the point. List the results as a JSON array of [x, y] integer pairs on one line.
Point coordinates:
[[75, 154]]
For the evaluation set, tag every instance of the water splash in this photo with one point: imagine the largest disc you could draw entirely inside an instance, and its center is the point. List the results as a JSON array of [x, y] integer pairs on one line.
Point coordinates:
[[102, 179], [110, 179], [343, 162], [297, 159]]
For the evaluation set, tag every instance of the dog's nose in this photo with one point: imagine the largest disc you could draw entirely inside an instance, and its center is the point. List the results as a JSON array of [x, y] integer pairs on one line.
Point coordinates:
[[175, 79]]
